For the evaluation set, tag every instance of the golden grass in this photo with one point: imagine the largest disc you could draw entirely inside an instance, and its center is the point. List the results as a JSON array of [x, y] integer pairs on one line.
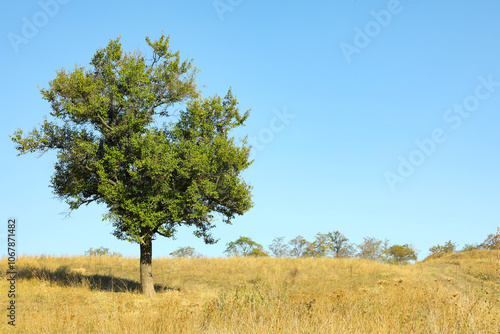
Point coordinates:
[[481, 264], [458, 293]]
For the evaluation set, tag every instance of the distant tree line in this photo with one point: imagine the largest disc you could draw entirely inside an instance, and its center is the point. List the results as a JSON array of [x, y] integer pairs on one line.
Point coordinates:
[[332, 244], [492, 242], [101, 251]]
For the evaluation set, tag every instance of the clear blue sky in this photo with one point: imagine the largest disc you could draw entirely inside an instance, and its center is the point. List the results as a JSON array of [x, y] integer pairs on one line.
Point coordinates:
[[389, 111]]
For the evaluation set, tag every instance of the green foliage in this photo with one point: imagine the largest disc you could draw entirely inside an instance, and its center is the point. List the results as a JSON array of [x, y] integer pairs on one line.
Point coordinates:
[[258, 252], [278, 248], [492, 242], [101, 251], [385, 257], [244, 246], [438, 250], [110, 150], [183, 252], [401, 254]]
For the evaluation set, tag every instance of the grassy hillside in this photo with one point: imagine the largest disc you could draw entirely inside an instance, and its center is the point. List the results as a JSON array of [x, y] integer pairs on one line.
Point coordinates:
[[457, 293]]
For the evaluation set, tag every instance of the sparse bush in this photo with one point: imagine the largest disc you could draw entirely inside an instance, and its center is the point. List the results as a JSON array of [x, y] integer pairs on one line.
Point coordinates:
[[278, 248], [371, 249], [492, 242], [333, 244], [447, 248], [183, 252], [101, 251], [470, 247], [401, 254], [300, 247]]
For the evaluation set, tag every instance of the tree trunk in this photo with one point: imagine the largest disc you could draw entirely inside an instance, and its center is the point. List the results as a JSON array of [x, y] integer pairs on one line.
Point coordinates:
[[147, 284]]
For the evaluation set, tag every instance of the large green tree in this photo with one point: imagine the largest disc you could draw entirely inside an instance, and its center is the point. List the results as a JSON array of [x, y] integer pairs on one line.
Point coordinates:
[[111, 149]]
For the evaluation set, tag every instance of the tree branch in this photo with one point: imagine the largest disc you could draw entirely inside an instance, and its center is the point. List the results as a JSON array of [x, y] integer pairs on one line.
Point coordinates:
[[87, 202], [104, 123], [162, 234]]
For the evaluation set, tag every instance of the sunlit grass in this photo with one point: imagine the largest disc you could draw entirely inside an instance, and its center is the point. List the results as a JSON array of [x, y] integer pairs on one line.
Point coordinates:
[[458, 293]]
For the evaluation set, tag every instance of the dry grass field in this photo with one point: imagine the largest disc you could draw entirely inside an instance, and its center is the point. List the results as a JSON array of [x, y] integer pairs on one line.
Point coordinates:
[[457, 293]]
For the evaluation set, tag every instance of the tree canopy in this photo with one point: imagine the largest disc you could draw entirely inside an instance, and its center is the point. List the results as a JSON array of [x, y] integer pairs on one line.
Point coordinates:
[[111, 149], [244, 246], [401, 254]]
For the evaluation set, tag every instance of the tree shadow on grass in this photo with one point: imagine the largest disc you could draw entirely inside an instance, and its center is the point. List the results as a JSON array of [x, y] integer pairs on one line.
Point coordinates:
[[64, 276]]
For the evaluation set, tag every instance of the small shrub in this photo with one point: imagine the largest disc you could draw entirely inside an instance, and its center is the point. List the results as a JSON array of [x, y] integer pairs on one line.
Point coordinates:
[[492, 242], [184, 252], [470, 247], [438, 250], [101, 251]]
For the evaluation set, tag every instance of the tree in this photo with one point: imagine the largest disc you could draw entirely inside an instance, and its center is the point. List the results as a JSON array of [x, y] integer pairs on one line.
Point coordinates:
[[333, 244], [278, 248], [300, 247], [243, 246], [438, 250], [183, 252], [322, 245], [111, 151], [492, 241], [371, 249], [101, 251], [400, 254]]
